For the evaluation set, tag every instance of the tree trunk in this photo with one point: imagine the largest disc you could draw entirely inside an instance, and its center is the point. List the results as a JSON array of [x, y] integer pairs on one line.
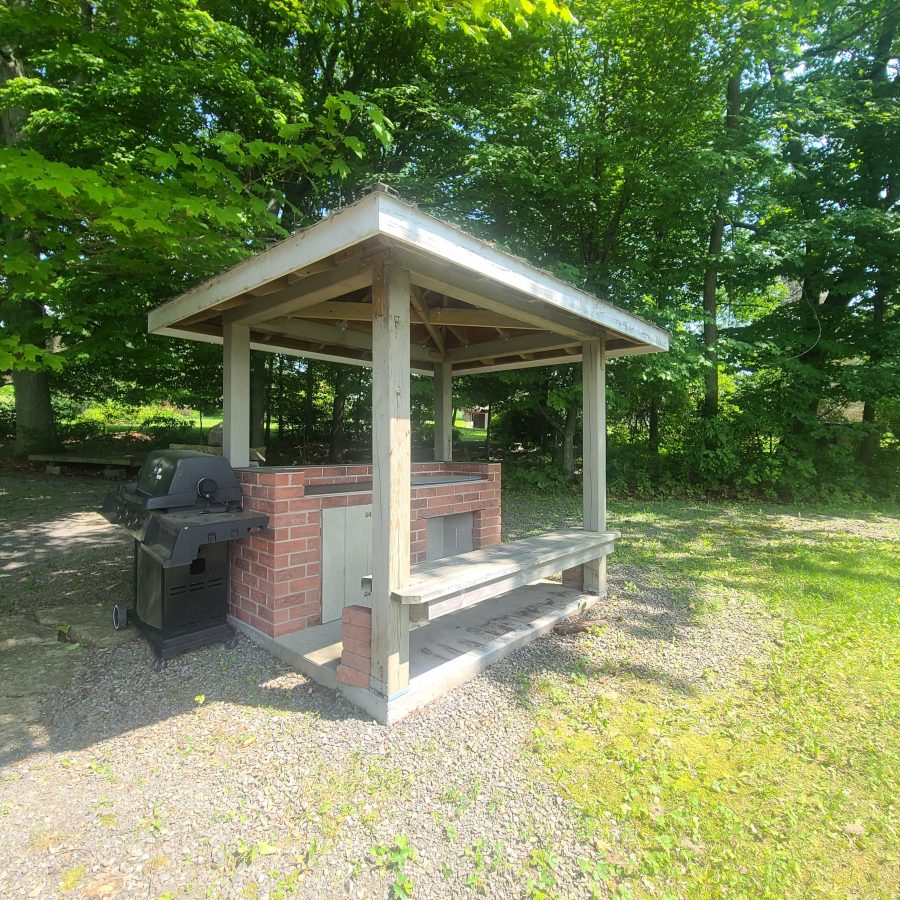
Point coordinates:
[[487, 434], [711, 275], [269, 363], [338, 408], [872, 439], [35, 426], [308, 398], [880, 76], [35, 422], [710, 326], [653, 428], [568, 440], [280, 397], [257, 398]]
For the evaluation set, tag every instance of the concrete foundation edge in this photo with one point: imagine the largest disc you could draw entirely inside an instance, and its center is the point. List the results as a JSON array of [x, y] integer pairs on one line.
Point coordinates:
[[425, 688], [440, 681], [319, 674]]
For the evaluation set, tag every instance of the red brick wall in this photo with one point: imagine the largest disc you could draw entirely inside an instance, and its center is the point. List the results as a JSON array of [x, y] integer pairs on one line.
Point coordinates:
[[276, 578]]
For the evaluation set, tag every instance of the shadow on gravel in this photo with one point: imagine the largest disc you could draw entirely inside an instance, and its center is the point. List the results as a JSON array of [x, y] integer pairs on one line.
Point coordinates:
[[55, 549], [117, 693]]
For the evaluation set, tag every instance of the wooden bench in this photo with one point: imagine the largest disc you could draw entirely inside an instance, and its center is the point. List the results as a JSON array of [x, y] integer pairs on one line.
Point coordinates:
[[446, 585], [111, 464]]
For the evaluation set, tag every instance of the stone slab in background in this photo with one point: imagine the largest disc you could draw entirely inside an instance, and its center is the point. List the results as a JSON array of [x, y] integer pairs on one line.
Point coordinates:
[[20, 631], [36, 668], [88, 623]]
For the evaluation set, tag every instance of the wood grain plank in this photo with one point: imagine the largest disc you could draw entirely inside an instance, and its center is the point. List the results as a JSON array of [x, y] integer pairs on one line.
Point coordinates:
[[594, 444], [391, 477]]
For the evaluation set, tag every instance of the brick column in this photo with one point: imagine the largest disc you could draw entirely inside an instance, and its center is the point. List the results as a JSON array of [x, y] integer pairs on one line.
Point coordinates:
[[356, 657], [486, 529], [276, 577]]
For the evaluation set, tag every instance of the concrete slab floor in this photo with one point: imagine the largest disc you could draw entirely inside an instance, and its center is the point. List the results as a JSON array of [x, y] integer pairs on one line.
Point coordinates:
[[443, 653]]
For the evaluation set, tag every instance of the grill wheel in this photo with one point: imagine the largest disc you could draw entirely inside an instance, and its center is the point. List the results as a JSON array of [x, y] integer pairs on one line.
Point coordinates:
[[120, 617]]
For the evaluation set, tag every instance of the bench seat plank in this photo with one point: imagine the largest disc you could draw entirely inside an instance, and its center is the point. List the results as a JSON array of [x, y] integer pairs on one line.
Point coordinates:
[[446, 585], [84, 460]]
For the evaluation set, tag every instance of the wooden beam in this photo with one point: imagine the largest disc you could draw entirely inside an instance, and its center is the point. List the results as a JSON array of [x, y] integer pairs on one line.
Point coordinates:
[[474, 318], [594, 467], [236, 395], [470, 287], [292, 347], [331, 335], [555, 359], [337, 310], [326, 285], [391, 472], [513, 346], [316, 332], [467, 317], [420, 307], [272, 287], [458, 335], [443, 410]]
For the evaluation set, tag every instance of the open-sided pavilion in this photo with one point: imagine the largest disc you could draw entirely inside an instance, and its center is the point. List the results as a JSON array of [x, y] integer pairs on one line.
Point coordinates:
[[382, 284]]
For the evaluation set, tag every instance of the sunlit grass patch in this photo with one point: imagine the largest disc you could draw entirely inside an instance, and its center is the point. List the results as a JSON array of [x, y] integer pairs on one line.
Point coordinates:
[[783, 784]]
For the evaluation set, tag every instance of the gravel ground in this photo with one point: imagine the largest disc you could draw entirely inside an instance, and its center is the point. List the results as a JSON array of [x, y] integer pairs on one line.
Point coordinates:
[[229, 775]]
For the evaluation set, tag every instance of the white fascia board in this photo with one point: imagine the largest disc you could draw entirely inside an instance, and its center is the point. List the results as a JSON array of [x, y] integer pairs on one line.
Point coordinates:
[[274, 347], [408, 225], [338, 232], [561, 360]]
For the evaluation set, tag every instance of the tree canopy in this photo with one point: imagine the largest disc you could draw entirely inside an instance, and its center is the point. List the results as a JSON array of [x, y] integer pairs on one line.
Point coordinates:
[[725, 168]]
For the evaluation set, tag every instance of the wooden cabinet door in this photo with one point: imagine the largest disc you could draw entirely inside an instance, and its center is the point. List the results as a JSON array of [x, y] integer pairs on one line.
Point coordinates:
[[346, 558]]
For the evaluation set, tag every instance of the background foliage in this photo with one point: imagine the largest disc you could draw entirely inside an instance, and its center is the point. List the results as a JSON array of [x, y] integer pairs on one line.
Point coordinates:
[[726, 168]]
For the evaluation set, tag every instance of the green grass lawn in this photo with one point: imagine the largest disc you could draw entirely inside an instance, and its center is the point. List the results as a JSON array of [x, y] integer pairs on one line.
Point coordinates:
[[784, 784], [470, 435]]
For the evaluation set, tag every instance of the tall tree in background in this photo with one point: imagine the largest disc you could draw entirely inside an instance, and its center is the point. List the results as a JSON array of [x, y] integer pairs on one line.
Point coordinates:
[[833, 226], [725, 168], [148, 144]]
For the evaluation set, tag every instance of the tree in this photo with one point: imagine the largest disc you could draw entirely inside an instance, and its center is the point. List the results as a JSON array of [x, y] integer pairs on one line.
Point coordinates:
[[149, 144]]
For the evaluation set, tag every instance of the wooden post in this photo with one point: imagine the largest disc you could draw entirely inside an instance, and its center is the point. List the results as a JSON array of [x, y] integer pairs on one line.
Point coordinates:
[[236, 394], [594, 439], [391, 472], [443, 410]]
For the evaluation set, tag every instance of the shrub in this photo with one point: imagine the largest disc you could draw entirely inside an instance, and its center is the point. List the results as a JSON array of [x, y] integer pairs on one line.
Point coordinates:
[[7, 414], [540, 475], [83, 428], [166, 426]]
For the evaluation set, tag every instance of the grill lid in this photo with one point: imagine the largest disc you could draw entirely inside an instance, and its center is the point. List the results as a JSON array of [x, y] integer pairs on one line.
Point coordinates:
[[172, 478]]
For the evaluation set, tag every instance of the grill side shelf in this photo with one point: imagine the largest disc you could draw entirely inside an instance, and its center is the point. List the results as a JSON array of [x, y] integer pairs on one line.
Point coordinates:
[[175, 539]]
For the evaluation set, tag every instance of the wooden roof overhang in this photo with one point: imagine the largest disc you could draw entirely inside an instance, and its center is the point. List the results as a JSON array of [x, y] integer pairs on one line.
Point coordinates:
[[472, 304]]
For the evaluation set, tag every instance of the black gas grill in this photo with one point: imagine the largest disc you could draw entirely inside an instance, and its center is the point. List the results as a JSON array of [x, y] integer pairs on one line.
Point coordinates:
[[182, 512]]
